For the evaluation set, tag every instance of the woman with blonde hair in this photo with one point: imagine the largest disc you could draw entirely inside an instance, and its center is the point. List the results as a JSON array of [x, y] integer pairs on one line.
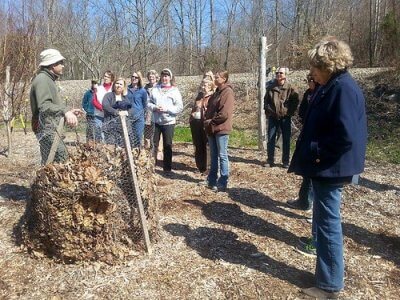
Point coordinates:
[[331, 151], [196, 121], [115, 104]]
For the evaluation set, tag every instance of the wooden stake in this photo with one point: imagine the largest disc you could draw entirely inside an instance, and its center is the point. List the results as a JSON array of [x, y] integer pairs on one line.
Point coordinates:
[[132, 169], [261, 93], [56, 141]]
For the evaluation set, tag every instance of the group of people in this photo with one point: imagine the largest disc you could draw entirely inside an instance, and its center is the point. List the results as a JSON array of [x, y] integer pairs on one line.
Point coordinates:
[[329, 153], [105, 103]]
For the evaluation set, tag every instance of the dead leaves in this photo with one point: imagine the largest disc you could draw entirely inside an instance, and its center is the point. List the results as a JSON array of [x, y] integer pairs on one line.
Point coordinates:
[[84, 209]]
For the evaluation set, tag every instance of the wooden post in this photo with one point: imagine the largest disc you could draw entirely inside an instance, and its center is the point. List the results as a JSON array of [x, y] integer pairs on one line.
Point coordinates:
[[7, 111], [56, 141], [261, 93], [132, 170]]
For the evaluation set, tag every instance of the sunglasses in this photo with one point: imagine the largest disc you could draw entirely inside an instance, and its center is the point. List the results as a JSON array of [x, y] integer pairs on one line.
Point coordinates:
[[135, 77], [276, 73]]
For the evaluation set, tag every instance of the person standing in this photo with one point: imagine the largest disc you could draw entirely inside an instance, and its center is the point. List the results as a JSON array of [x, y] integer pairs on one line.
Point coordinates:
[[108, 79], [304, 201], [331, 151], [137, 96], [87, 105], [280, 103], [152, 78], [196, 121], [218, 125], [165, 103], [46, 104], [115, 103]]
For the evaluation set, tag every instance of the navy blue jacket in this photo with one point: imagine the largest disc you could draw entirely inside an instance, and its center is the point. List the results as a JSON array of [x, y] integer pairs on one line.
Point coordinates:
[[333, 141]]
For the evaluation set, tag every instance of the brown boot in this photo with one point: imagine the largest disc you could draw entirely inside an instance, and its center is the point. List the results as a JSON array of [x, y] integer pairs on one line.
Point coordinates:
[[318, 293]]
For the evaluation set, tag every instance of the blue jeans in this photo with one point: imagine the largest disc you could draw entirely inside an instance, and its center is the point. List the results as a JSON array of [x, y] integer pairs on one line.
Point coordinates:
[[285, 124], [219, 154], [136, 135], [329, 272], [90, 127], [98, 130]]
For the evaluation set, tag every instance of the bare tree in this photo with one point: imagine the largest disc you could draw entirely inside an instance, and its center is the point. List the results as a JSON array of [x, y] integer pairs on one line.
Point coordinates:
[[17, 65]]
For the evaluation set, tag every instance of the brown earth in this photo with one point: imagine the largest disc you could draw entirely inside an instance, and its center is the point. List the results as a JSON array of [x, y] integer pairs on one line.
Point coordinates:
[[235, 245]]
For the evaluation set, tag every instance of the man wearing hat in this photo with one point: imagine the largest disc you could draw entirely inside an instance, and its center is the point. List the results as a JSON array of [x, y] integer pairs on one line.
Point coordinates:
[[47, 106]]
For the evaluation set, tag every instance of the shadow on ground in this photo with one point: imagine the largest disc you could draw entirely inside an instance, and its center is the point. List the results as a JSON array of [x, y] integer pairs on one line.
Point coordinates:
[[231, 214], [387, 247], [255, 199], [219, 244], [14, 192]]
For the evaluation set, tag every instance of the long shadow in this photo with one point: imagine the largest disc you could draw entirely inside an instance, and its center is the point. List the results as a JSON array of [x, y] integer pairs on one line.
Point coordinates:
[[183, 154], [387, 247], [246, 161], [175, 175], [376, 186], [214, 244], [231, 214], [255, 199], [178, 166], [4, 152], [14, 191], [183, 167]]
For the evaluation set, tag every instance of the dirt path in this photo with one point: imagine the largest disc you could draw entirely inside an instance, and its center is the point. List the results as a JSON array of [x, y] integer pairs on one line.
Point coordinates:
[[234, 245]]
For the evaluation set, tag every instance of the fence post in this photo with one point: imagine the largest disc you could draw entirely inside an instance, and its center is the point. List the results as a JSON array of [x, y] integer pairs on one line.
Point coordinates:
[[134, 178], [7, 111], [261, 92]]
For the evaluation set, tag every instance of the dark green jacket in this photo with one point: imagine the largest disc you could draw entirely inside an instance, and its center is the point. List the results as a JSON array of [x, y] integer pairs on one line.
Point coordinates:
[[45, 100]]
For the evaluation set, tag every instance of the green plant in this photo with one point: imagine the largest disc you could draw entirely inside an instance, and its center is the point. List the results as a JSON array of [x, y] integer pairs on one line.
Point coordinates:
[[182, 134], [384, 151], [237, 138]]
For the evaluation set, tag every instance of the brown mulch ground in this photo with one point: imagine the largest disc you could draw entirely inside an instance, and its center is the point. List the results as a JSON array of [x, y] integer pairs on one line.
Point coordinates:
[[234, 245]]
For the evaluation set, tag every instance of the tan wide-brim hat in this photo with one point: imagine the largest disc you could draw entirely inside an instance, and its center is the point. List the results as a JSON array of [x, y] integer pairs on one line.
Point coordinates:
[[49, 57]]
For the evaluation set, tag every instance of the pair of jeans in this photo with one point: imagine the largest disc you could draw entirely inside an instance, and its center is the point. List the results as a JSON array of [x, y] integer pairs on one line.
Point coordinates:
[[219, 156], [98, 129], [199, 138], [90, 127], [136, 134], [285, 125], [329, 271], [167, 132], [305, 194]]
